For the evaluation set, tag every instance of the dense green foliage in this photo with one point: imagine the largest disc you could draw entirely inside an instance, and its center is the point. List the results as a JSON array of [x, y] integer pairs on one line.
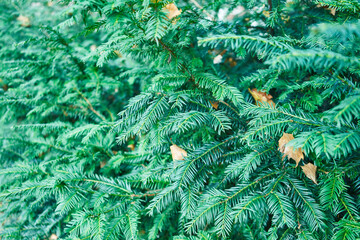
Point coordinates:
[[93, 94]]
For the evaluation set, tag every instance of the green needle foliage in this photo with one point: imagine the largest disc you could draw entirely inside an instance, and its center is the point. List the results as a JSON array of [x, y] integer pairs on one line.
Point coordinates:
[[94, 93]]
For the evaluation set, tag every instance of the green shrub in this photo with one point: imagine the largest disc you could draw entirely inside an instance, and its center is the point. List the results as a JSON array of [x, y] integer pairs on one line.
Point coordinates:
[[129, 119]]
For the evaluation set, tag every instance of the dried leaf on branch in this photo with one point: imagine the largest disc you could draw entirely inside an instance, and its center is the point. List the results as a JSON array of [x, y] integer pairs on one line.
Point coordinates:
[[310, 171], [261, 97], [289, 151], [214, 104], [173, 11], [177, 152]]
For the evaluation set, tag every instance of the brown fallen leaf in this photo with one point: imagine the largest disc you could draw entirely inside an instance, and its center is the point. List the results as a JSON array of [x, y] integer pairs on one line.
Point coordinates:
[[41, 154], [262, 97], [266, 13], [131, 146], [286, 19], [231, 61], [289, 151], [214, 104], [177, 152], [327, 7], [24, 21], [333, 11], [102, 164], [310, 171], [118, 53], [4, 86], [173, 11]]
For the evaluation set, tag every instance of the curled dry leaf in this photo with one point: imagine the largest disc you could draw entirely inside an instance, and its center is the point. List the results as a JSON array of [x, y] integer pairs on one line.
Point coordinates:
[[289, 151], [177, 152], [214, 104], [262, 97], [24, 21], [173, 11], [310, 171]]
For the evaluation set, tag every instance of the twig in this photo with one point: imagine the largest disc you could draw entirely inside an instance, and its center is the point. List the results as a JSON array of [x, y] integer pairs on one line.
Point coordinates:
[[223, 102], [171, 52], [90, 106], [343, 80], [144, 195]]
